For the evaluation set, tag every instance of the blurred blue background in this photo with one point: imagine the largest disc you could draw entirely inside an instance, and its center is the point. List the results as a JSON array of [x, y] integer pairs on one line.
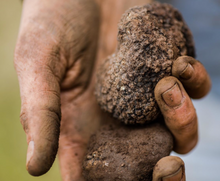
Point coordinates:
[[203, 163], [203, 18]]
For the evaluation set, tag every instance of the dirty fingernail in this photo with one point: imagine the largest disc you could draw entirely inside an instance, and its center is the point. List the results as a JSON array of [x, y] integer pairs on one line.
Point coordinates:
[[177, 176], [30, 151], [187, 72], [173, 96]]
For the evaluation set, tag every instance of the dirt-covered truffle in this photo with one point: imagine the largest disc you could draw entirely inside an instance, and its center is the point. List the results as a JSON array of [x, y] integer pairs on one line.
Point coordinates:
[[126, 153], [150, 37]]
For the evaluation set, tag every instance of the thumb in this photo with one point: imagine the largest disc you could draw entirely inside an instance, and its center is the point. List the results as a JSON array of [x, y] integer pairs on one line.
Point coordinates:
[[40, 104], [52, 38]]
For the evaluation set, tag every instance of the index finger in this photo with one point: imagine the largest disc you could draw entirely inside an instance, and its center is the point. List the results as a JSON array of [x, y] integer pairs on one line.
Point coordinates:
[[178, 112]]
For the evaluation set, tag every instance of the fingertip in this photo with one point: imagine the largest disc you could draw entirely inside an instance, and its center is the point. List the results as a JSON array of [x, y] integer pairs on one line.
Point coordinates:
[[168, 93], [163, 85], [193, 76], [34, 170], [169, 168], [182, 67], [40, 157], [37, 168]]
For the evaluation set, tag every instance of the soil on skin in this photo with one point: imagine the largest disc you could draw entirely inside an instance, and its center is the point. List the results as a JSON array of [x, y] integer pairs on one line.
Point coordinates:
[[123, 153], [150, 37]]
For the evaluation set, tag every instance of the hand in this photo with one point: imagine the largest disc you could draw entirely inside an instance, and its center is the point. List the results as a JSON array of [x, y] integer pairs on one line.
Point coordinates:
[[55, 67], [54, 59], [175, 103], [173, 98]]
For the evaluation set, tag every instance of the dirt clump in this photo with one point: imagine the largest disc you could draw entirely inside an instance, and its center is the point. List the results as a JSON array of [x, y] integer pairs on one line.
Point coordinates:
[[125, 153], [150, 37]]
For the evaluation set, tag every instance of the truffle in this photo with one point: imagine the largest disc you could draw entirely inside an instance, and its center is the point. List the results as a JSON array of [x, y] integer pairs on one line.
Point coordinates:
[[125, 153], [150, 37]]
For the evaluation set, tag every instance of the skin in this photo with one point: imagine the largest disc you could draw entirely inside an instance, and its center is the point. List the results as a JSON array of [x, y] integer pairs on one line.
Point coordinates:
[[170, 168], [58, 49]]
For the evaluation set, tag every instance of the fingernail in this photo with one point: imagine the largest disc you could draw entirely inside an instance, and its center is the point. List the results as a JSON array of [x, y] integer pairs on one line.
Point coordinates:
[[173, 96], [177, 176], [30, 151], [187, 72]]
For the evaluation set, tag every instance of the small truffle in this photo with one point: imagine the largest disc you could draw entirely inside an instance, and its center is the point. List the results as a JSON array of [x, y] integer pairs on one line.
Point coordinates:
[[150, 37], [126, 153]]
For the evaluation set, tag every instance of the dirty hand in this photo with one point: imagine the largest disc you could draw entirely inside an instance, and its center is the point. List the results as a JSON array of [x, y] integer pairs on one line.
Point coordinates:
[[173, 93], [54, 59]]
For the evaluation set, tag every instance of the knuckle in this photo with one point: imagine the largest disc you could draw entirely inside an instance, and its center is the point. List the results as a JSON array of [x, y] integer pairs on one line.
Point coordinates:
[[33, 53], [183, 125], [35, 40], [188, 123], [53, 112], [24, 121]]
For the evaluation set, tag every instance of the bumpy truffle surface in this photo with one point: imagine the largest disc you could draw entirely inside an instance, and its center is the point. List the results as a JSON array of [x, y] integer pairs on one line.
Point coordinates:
[[150, 37], [126, 154]]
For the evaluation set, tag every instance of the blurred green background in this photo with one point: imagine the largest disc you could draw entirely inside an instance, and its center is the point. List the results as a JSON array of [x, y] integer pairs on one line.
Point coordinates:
[[12, 138]]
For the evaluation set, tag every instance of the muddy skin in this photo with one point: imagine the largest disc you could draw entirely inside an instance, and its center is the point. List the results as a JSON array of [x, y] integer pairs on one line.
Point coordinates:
[[125, 153], [150, 37]]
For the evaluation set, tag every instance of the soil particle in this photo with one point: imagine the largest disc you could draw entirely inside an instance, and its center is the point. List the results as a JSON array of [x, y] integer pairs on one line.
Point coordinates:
[[124, 153], [150, 37]]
